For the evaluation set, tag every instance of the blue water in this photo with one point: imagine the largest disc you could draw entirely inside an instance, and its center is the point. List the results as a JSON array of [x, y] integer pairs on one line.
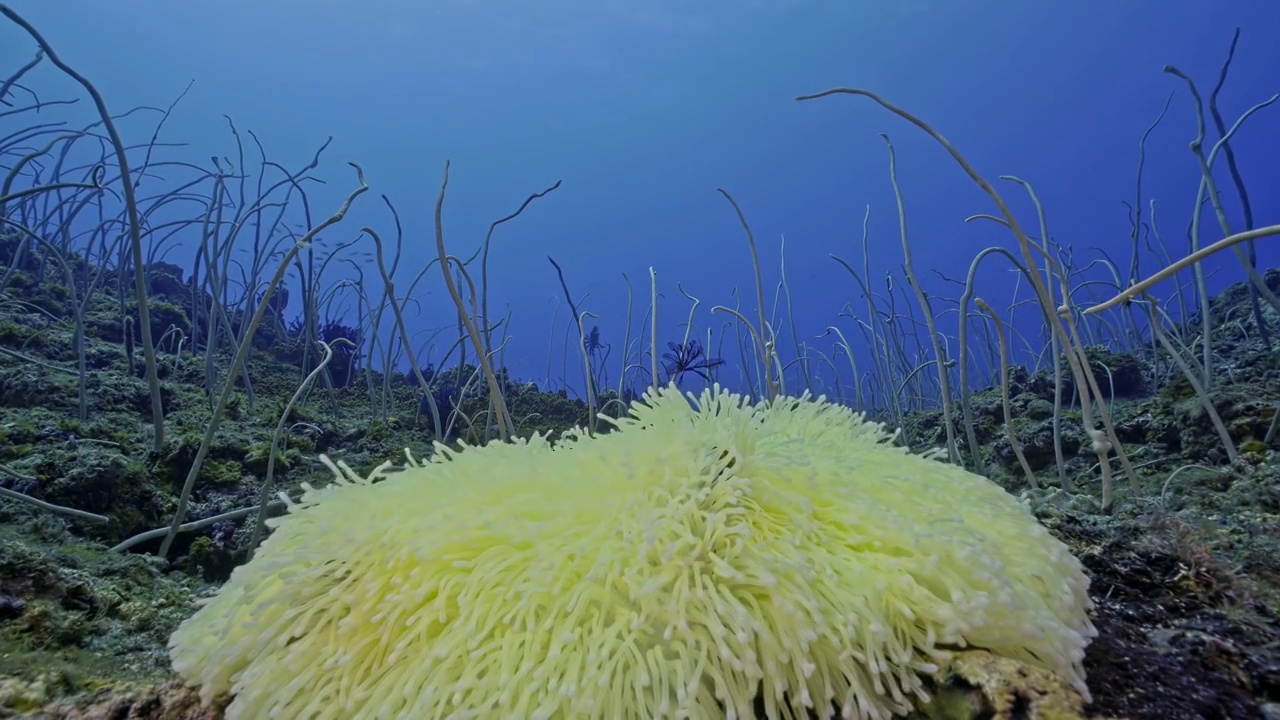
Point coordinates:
[[643, 109]]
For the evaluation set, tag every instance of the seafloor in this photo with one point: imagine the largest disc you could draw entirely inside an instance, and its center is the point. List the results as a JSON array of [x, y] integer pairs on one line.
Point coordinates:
[[1186, 577]]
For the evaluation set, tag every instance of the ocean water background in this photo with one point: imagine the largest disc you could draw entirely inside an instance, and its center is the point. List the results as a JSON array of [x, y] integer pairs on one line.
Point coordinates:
[[643, 109]]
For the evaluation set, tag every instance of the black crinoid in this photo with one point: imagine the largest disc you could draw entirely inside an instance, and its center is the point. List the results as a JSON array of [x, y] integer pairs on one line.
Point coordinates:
[[598, 355], [688, 357], [346, 357], [593, 342]]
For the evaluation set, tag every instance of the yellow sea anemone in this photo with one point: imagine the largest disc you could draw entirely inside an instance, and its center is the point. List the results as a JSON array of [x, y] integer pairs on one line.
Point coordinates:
[[708, 555]]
